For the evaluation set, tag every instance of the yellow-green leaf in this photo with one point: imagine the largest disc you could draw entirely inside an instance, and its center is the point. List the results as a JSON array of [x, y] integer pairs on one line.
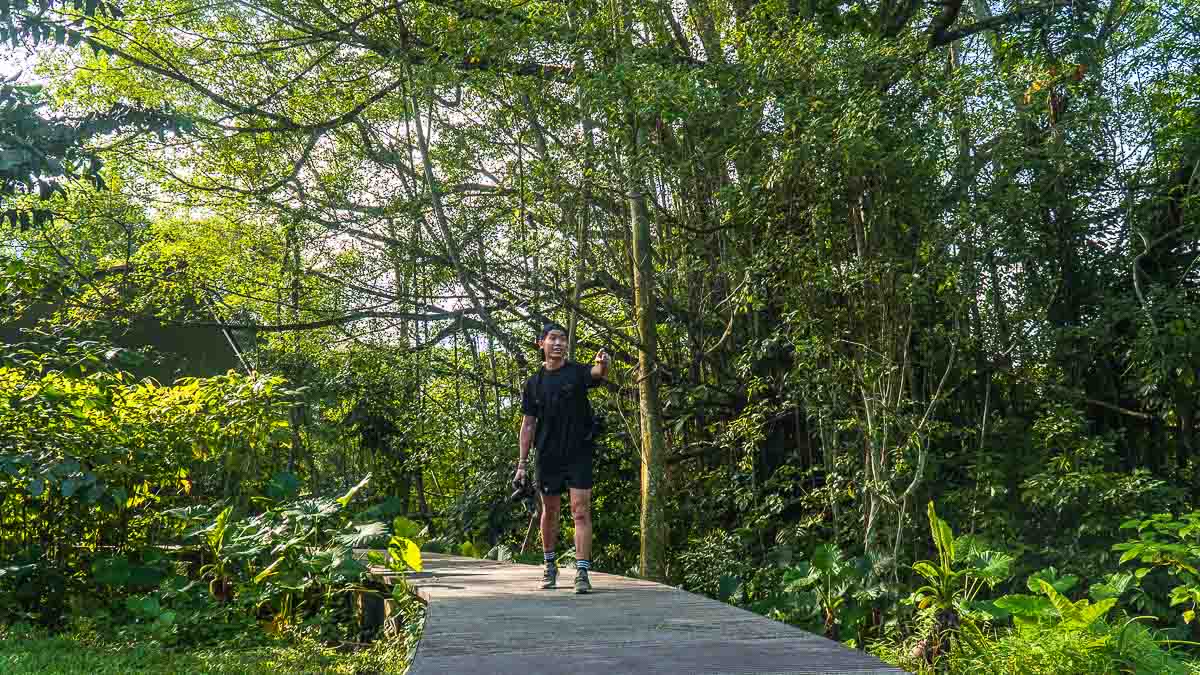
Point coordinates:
[[344, 500], [262, 576], [928, 571], [409, 552]]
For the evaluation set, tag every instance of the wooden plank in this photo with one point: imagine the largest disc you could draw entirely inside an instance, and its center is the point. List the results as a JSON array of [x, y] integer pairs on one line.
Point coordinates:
[[490, 618]]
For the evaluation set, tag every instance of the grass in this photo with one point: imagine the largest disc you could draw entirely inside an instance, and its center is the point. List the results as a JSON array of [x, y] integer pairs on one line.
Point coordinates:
[[1045, 652], [24, 650]]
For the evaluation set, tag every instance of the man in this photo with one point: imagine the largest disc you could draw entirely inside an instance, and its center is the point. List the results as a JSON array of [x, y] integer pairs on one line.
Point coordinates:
[[558, 421]]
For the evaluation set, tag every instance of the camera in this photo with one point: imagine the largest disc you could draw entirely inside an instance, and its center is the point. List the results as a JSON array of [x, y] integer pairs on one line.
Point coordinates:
[[524, 492]]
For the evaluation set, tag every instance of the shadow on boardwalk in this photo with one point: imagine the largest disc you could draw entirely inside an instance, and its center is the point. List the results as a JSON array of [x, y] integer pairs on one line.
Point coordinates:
[[488, 618]]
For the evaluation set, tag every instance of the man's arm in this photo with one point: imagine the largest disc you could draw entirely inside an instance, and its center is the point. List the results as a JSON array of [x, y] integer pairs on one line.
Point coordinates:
[[525, 441]]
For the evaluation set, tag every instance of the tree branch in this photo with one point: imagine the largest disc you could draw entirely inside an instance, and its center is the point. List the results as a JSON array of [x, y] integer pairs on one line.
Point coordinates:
[[940, 35]]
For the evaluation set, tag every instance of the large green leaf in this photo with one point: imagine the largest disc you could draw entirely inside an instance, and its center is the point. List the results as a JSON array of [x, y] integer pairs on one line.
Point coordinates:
[[1061, 583], [216, 535], [144, 606], [111, 571], [800, 576], [406, 551], [928, 571], [826, 558], [943, 537], [1114, 586], [283, 485], [1034, 606], [407, 528], [727, 586], [1084, 615], [992, 566], [990, 608], [145, 576], [1064, 606], [362, 534]]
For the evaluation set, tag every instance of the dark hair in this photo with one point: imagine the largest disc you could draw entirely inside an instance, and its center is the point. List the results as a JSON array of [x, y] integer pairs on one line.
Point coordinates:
[[549, 326]]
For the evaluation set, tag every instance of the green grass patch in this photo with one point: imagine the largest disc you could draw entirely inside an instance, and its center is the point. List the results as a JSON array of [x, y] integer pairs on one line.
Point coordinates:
[[27, 651]]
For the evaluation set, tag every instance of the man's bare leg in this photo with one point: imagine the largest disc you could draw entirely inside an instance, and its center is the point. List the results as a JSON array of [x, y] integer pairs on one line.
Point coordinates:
[[581, 513], [551, 507]]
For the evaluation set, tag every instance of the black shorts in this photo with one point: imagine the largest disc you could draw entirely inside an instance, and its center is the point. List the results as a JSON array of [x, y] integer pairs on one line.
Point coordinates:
[[555, 475]]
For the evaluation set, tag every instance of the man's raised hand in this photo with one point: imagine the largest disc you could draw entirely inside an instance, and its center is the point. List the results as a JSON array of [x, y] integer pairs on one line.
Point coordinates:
[[600, 369]]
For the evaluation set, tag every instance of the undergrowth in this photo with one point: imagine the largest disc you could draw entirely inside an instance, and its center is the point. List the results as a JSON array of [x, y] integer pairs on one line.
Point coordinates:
[[28, 650]]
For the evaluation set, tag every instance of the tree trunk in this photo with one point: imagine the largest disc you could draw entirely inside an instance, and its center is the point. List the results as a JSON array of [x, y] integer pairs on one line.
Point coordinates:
[[653, 517], [583, 216]]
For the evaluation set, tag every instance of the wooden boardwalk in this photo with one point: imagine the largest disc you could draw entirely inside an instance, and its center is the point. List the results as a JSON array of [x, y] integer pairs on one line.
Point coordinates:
[[489, 618]]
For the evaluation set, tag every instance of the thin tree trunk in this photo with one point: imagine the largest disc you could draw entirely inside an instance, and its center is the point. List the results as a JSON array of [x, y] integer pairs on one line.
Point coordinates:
[[584, 220], [653, 516]]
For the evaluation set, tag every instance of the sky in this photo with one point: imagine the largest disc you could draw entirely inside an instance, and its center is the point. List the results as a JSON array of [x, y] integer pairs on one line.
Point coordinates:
[[13, 62]]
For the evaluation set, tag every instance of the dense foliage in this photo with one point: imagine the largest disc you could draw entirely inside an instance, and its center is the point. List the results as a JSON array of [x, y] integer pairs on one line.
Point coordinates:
[[850, 259], [158, 514]]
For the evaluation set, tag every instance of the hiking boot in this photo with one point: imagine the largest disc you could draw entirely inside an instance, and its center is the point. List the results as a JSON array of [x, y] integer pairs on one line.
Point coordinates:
[[582, 585], [550, 577]]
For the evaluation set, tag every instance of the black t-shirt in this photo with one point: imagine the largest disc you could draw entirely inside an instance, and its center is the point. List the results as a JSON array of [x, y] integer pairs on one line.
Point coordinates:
[[558, 399]]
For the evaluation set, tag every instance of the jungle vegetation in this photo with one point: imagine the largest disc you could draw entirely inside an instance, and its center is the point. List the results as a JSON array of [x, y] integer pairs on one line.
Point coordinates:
[[903, 299]]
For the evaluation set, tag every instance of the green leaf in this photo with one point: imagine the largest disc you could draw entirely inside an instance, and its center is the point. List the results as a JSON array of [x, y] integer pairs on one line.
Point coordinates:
[[216, 535], [1025, 624], [1085, 616], [943, 537], [145, 576], [1130, 554], [927, 570], [500, 553], [36, 487], [825, 557], [1022, 605], [270, 570], [283, 485], [727, 586], [1064, 606], [362, 534], [990, 608], [111, 571], [146, 606], [992, 566], [344, 500], [800, 576], [409, 529], [1114, 586], [1050, 575], [407, 551]]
